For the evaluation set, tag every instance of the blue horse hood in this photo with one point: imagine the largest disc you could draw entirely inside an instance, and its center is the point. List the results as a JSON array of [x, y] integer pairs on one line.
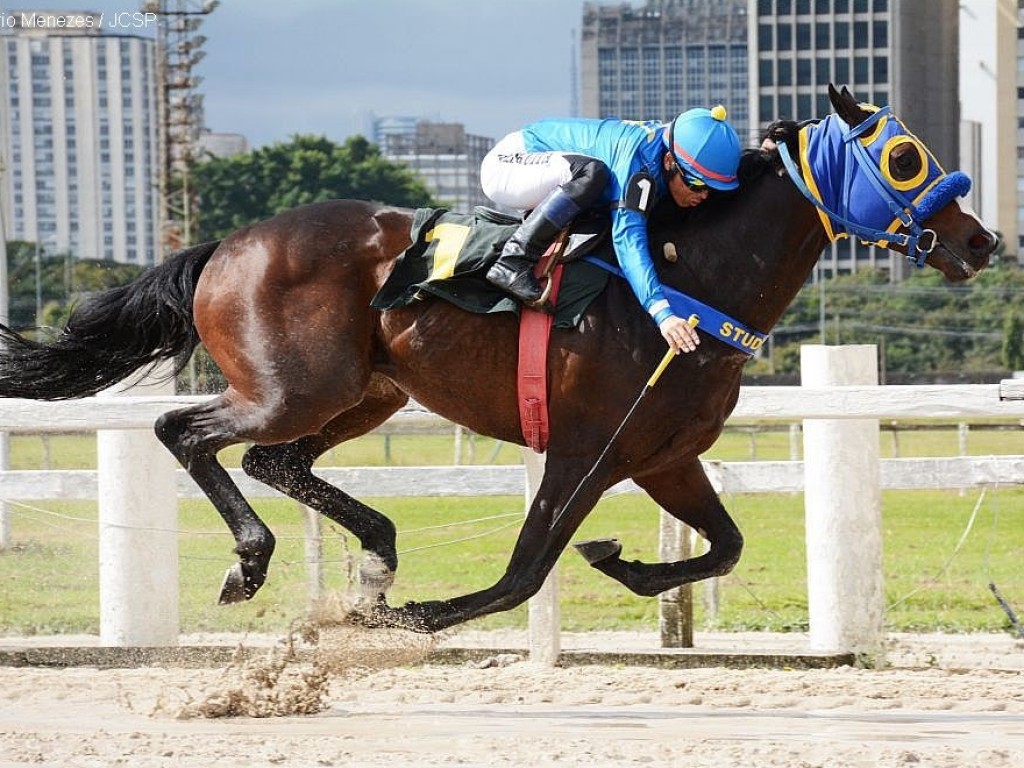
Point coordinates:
[[828, 161]]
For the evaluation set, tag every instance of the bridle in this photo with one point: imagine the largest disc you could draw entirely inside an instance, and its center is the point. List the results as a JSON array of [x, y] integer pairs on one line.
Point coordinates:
[[917, 240]]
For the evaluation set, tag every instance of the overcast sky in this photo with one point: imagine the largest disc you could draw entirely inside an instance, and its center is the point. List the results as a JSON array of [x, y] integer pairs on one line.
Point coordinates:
[[278, 67]]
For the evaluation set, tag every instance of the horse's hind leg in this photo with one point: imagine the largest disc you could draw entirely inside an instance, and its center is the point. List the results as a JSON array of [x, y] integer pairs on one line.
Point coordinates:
[[194, 435], [686, 494], [288, 468], [535, 553]]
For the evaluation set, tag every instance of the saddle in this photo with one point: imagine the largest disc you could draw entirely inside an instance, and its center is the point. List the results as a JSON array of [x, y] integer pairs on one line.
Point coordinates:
[[451, 253], [448, 259]]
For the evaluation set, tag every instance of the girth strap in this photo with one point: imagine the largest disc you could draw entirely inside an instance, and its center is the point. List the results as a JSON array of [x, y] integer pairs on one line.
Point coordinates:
[[534, 335]]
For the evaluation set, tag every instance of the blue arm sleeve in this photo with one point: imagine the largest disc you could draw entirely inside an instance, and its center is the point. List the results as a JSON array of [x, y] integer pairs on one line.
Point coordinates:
[[629, 235]]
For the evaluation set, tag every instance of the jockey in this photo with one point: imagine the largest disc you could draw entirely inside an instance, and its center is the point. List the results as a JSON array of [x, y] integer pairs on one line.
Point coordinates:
[[556, 168]]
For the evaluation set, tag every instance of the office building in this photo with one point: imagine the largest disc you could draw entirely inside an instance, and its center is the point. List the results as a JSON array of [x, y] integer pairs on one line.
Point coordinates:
[[79, 121], [444, 156], [901, 53], [381, 127], [221, 144], [992, 104], [652, 61]]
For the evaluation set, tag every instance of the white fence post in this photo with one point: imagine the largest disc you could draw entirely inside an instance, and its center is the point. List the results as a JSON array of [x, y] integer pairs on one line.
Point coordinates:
[[675, 607], [544, 616], [138, 534], [313, 547], [842, 500], [5, 517]]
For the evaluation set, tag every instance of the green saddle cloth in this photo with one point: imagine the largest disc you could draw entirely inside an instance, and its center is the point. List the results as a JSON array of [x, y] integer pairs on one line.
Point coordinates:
[[450, 255]]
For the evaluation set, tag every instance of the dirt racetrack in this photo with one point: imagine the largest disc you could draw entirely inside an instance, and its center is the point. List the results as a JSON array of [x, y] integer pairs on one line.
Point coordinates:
[[940, 701]]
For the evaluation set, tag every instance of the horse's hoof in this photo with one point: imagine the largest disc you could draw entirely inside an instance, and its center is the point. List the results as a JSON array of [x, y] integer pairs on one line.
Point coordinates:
[[379, 615], [596, 550], [365, 616], [232, 590], [375, 578]]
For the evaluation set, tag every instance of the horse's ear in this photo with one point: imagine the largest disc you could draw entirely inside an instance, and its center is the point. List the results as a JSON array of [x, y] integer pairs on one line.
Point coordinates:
[[846, 106]]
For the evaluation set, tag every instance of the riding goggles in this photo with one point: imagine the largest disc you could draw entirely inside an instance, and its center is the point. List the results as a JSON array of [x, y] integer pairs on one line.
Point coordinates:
[[693, 183]]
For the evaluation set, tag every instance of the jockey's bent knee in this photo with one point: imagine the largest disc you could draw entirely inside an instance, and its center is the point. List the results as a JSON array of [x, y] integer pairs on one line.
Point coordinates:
[[590, 176]]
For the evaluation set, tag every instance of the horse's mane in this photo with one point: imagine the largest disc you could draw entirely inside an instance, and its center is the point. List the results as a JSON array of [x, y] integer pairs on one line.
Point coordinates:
[[755, 162]]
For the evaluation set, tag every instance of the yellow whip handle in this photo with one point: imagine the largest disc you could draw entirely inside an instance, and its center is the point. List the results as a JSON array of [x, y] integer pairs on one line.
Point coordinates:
[[692, 320]]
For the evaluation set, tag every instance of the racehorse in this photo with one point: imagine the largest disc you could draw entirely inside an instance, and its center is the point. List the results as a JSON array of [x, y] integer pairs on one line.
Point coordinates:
[[283, 307]]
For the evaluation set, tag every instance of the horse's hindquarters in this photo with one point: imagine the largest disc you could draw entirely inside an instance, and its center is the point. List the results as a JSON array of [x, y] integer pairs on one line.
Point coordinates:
[[283, 309]]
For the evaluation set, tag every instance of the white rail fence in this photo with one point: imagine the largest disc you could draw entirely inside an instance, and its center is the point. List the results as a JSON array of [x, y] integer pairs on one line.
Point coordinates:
[[137, 485]]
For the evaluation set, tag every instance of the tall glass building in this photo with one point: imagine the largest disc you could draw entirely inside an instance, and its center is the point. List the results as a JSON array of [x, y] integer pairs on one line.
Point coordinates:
[[80, 155], [654, 60], [901, 53]]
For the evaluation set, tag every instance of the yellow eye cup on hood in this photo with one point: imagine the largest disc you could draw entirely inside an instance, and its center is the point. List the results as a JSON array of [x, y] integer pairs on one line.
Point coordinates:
[[915, 181]]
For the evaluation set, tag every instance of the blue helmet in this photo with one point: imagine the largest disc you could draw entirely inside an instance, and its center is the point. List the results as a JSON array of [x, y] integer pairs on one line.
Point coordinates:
[[706, 146]]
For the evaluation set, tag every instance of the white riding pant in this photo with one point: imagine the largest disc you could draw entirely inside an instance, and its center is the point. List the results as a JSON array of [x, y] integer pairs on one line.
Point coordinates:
[[513, 177]]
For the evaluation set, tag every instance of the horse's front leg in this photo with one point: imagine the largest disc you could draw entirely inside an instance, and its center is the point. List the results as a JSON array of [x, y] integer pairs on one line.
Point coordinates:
[[686, 494], [535, 553]]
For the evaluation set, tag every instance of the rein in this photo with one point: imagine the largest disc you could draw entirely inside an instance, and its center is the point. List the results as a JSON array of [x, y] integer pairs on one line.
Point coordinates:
[[918, 241]]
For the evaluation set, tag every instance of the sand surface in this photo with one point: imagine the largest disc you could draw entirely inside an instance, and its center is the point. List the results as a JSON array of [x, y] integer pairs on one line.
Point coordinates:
[[939, 701]]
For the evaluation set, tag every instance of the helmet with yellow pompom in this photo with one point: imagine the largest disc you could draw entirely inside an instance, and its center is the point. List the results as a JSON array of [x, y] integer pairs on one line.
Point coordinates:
[[705, 146]]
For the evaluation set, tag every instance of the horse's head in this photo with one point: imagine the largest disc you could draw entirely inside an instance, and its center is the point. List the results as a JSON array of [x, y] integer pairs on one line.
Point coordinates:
[[872, 179]]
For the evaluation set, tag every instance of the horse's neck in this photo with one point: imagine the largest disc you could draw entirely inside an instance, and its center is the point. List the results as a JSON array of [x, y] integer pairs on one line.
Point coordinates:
[[753, 261]]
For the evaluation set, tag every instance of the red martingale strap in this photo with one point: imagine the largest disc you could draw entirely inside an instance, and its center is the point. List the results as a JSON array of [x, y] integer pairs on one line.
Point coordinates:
[[534, 334]]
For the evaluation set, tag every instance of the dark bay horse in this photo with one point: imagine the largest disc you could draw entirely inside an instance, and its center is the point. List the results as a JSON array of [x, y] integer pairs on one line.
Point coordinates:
[[283, 307]]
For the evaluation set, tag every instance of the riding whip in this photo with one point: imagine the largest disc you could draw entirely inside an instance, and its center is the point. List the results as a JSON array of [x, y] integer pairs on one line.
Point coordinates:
[[660, 369]]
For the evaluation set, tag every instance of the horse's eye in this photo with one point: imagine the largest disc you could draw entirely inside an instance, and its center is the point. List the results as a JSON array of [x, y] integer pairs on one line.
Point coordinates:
[[904, 163]]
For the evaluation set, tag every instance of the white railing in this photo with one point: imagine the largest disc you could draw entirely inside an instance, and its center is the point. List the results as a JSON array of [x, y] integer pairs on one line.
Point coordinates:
[[730, 477], [124, 426]]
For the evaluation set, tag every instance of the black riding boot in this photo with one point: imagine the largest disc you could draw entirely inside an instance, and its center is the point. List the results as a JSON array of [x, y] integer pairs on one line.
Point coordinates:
[[513, 271]]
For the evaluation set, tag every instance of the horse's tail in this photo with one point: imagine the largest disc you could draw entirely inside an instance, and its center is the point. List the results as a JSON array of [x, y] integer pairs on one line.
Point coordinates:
[[110, 335]]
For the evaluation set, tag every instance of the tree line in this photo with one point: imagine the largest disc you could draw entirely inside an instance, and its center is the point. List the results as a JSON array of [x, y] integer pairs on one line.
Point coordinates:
[[232, 192], [42, 287], [923, 324]]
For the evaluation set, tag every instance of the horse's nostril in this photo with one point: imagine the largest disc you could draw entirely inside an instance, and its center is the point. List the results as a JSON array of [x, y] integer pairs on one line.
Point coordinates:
[[983, 242]]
